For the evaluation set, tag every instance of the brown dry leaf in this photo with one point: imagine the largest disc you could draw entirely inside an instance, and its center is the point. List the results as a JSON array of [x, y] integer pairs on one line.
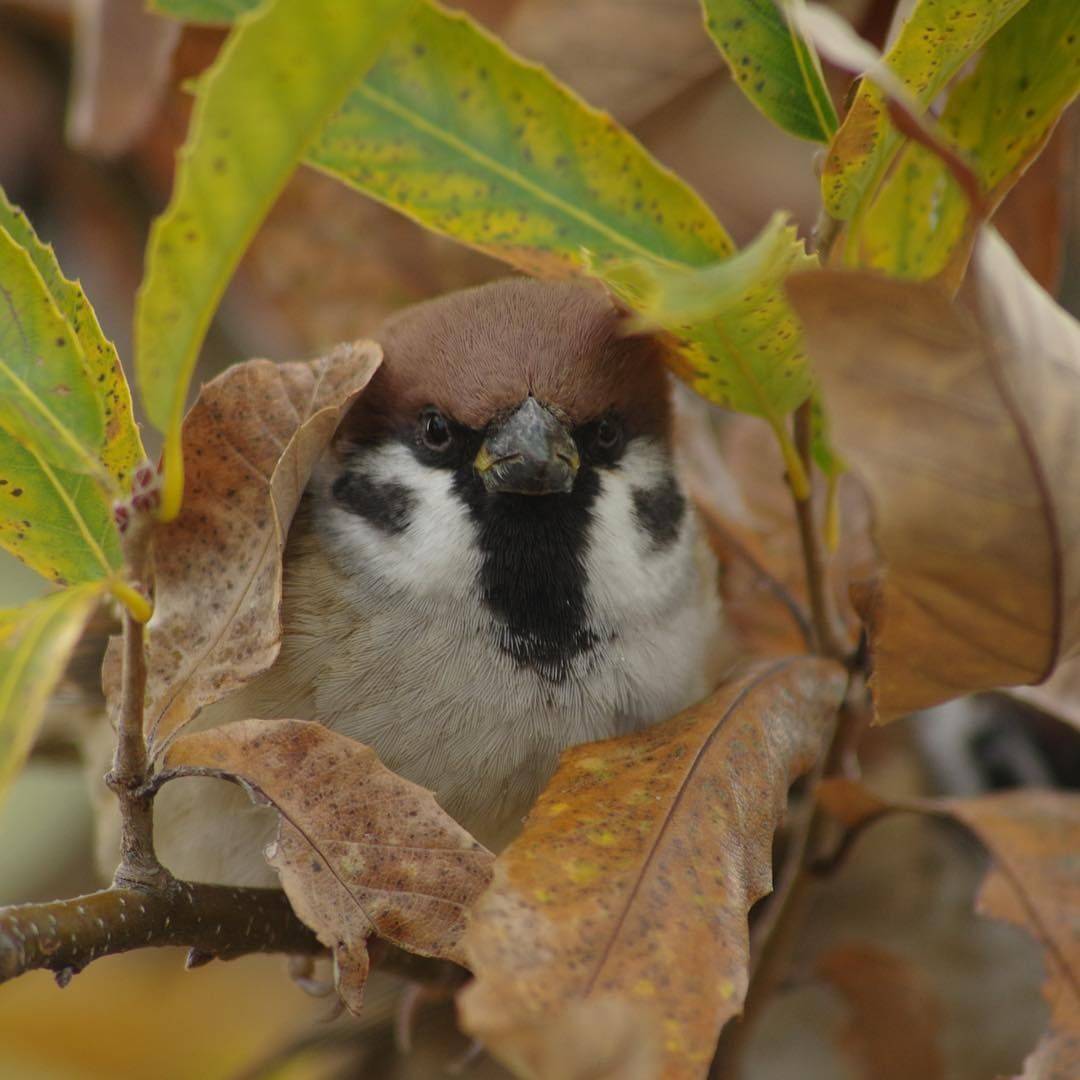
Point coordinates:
[[967, 431], [360, 850], [1033, 837], [122, 70], [644, 851], [250, 442], [892, 1033]]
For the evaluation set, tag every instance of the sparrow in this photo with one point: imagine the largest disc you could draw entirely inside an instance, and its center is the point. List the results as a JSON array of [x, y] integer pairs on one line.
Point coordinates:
[[494, 560]]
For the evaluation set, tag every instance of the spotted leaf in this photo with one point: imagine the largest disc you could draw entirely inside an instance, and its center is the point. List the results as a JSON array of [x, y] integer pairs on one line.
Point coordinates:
[[936, 40], [773, 65], [284, 70]]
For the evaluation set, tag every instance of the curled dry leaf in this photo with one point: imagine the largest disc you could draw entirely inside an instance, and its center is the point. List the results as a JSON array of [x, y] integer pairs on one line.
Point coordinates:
[[642, 852], [359, 850], [1033, 837], [250, 442], [892, 1030], [965, 427]]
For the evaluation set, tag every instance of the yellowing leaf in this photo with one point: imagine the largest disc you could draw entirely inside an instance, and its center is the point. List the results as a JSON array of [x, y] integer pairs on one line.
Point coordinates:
[[737, 331], [965, 431], [360, 850], [47, 398], [121, 448], [57, 522], [772, 65], [999, 117], [35, 643], [643, 852], [203, 11], [467, 139], [936, 40], [284, 70]]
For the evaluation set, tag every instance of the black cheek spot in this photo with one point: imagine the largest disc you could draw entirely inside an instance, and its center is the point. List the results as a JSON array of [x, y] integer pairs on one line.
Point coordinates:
[[387, 505], [660, 511]]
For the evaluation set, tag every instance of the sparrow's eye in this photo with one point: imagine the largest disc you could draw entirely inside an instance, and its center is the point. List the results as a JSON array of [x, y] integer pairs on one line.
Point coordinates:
[[435, 432], [608, 435]]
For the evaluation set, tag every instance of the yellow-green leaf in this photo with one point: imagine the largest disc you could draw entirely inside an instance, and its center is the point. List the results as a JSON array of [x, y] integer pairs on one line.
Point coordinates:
[[57, 522], [47, 398], [284, 70], [999, 117], [213, 12], [121, 449], [35, 643], [738, 332], [453, 130], [937, 39], [773, 65]]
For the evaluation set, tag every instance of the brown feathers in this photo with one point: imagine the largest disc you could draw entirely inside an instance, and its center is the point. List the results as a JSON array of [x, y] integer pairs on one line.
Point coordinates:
[[478, 353]]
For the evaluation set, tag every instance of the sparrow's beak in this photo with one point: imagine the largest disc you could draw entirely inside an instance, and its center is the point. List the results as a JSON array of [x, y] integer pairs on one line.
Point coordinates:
[[531, 452]]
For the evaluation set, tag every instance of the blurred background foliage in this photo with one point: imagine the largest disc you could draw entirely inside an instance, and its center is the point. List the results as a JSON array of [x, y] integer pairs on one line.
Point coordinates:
[[94, 109]]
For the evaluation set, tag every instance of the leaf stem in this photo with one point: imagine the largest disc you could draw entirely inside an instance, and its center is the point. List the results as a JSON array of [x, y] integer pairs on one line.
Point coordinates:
[[825, 640]]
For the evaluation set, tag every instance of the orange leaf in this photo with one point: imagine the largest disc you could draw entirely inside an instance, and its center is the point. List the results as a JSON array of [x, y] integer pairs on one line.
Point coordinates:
[[637, 867]]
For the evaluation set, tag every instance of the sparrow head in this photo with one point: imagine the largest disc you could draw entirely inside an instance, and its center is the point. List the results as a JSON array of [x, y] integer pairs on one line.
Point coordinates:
[[513, 446]]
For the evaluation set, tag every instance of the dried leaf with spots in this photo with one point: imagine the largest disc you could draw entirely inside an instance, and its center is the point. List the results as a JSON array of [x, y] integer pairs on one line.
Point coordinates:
[[1033, 837], [250, 442], [892, 1031], [965, 429], [360, 850], [643, 852]]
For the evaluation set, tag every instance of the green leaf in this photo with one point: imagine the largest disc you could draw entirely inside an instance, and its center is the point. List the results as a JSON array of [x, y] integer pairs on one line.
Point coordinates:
[[35, 644], [773, 65], [121, 449], [47, 399], [283, 71], [738, 332], [735, 328], [212, 12], [59, 523], [472, 142], [939, 37], [999, 117]]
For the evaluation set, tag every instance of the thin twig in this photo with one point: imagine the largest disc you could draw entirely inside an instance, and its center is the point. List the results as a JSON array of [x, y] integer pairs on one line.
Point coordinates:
[[139, 866]]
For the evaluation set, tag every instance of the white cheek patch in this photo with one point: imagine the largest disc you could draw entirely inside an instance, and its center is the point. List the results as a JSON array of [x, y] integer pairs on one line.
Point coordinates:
[[630, 577], [434, 552]]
